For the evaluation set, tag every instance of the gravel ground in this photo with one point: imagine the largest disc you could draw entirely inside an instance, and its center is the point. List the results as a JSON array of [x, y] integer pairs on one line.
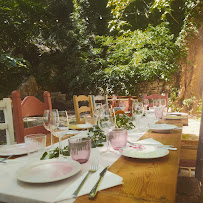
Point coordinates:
[[192, 128]]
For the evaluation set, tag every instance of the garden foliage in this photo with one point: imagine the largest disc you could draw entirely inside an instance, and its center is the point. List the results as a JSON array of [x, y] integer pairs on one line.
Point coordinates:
[[89, 46]]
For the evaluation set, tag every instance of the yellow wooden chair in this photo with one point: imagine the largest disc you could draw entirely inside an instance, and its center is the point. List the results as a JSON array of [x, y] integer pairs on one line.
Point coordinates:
[[82, 104]]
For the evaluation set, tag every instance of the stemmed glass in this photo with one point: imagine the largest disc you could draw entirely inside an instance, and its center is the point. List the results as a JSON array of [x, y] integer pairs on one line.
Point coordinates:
[[107, 122], [62, 128], [138, 111], [50, 122]]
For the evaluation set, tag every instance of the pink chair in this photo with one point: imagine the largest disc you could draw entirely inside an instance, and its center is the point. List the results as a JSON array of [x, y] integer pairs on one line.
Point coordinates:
[[30, 106], [157, 96]]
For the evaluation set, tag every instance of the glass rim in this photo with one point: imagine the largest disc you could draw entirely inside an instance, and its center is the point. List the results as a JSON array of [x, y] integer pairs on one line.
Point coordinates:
[[79, 139], [119, 129]]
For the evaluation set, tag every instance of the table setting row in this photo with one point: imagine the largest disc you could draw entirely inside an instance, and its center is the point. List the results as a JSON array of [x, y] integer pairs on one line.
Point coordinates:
[[55, 173]]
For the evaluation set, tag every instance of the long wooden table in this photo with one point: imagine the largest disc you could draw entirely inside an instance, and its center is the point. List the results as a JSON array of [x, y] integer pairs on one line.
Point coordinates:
[[150, 180], [144, 180]]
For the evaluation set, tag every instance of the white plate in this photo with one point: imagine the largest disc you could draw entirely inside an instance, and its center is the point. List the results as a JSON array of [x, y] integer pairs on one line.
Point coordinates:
[[16, 149], [174, 117], [147, 152], [177, 113], [46, 171], [162, 127]]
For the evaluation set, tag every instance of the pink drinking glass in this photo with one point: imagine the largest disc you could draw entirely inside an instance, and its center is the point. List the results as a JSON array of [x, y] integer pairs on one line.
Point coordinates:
[[159, 112], [118, 138], [80, 149]]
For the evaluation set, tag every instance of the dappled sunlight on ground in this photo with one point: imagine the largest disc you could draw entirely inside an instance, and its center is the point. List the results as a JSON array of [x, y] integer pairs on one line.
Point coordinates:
[[192, 130]]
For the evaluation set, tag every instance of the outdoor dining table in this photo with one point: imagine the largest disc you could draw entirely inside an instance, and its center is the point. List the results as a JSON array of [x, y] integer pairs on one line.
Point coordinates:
[[144, 180], [150, 180]]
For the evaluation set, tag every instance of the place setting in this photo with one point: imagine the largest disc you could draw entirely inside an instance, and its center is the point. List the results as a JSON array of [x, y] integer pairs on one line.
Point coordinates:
[[146, 149], [82, 160]]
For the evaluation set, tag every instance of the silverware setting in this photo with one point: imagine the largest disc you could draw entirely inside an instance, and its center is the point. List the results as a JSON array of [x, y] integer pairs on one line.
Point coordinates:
[[169, 147], [93, 169], [154, 144], [93, 192], [4, 159]]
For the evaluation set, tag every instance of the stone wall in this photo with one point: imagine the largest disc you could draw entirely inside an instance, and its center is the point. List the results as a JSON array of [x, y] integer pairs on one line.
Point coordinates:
[[60, 102], [29, 88], [155, 87]]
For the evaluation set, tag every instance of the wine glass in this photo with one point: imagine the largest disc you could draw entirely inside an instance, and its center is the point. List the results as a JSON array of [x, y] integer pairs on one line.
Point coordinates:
[[138, 111], [107, 122], [63, 126], [50, 122]]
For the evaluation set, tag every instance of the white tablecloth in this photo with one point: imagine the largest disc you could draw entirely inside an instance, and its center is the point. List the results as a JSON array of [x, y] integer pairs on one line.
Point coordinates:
[[12, 190]]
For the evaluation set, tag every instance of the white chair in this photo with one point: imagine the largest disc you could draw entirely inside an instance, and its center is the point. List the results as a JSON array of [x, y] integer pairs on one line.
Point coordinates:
[[5, 105]]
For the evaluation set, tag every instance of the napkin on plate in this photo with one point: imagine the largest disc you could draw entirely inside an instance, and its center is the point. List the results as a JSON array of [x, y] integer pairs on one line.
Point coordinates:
[[133, 135], [154, 142], [149, 141], [109, 180]]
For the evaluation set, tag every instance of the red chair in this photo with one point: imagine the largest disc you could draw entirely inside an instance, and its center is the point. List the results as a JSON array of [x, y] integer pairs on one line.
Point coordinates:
[[30, 106], [157, 96]]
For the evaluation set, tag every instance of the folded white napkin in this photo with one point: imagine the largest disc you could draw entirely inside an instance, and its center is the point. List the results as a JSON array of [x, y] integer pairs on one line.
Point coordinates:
[[133, 135], [149, 141], [109, 180]]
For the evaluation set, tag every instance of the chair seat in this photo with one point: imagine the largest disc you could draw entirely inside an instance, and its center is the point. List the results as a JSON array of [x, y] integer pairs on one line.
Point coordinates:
[[188, 190]]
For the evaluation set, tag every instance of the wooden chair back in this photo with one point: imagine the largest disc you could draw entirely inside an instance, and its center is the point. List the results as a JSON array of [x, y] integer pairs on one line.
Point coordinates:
[[5, 106], [30, 106], [157, 96], [81, 108], [199, 161]]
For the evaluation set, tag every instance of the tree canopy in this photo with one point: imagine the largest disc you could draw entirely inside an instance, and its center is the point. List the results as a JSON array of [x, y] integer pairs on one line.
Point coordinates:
[[88, 46]]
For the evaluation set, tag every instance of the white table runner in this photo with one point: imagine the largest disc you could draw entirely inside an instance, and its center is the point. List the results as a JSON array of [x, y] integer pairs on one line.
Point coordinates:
[[12, 190]]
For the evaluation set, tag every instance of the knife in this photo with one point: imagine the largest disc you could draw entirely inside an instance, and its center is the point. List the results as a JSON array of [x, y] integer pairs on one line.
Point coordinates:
[[93, 192]]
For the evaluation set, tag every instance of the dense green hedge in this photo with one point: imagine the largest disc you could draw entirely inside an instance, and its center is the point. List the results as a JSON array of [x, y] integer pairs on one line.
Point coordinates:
[[89, 46]]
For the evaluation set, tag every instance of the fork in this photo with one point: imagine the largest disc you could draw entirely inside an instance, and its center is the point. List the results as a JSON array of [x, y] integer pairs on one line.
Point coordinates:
[[152, 144], [93, 168]]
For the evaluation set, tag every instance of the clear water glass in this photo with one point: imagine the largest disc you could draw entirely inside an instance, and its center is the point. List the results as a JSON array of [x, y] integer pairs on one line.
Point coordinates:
[[118, 138], [150, 118], [80, 149], [36, 144], [159, 112]]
